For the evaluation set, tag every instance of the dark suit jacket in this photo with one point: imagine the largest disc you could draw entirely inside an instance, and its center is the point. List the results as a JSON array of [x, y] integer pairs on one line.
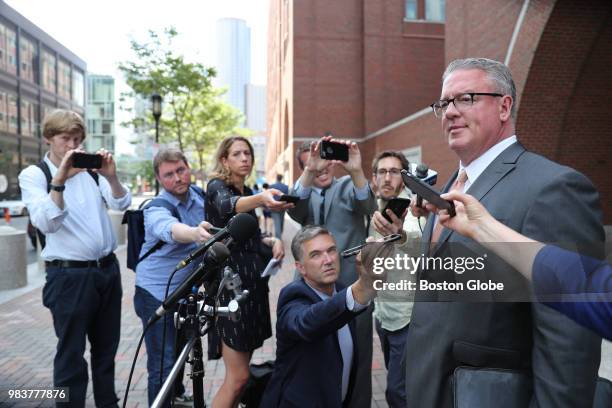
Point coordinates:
[[547, 202], [308, 367]]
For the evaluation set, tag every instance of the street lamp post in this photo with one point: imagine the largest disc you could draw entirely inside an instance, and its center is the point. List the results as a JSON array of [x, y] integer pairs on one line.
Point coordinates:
[[156, 108]]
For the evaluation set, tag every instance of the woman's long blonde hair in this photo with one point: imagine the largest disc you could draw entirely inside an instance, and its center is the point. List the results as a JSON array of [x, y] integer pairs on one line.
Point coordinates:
[[219, 171]]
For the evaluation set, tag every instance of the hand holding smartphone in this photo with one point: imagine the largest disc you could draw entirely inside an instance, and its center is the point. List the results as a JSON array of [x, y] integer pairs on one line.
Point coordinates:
[[398, 206], [86, 161], [334, 151], [289, 198], [424, 190]]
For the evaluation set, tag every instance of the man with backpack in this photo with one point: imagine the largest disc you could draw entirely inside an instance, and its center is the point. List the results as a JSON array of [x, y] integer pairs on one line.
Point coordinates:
[[83, 284], [174, 227]]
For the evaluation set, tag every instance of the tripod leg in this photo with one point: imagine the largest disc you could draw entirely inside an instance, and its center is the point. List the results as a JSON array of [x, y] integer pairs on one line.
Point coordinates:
[[197, 376], [168, 385]]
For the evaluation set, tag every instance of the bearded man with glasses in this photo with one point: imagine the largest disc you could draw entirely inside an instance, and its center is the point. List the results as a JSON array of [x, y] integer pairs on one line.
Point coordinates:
[[523, 353], [393, 308]]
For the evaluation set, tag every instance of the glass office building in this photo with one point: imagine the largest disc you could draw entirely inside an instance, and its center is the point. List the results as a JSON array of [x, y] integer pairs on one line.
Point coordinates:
[[100, 113], [37, 75]]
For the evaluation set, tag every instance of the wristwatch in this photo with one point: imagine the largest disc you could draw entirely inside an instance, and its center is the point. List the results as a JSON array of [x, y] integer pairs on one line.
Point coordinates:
[[59, 189]]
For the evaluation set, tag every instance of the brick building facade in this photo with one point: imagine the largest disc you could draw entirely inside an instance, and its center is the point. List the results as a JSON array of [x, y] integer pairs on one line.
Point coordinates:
[[363, 71]]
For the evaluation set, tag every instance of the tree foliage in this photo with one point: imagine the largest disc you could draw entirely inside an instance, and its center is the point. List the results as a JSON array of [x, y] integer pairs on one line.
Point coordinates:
[[194, 115]]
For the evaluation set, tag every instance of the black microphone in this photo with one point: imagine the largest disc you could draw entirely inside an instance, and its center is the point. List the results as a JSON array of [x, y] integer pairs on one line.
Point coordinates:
[[213, 260], [240, 228], [426, 174], [423, 172]]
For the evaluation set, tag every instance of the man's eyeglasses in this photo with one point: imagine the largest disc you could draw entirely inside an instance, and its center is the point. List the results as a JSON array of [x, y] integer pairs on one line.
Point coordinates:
[[462, 102], [393, 172]]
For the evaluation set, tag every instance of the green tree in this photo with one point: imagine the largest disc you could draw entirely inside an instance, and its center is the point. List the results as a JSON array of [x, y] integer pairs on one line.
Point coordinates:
[[208, 122], [156, 68]]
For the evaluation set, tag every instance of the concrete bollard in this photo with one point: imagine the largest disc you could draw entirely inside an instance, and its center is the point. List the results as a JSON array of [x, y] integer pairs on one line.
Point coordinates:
[[119, 229], [13, 269]]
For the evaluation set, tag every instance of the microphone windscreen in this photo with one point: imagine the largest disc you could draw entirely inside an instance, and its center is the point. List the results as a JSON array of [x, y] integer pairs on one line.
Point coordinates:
[[242, 227], [421, 170], [219, 252]]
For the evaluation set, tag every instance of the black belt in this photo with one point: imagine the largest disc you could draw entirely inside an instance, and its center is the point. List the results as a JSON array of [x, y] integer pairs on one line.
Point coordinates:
[[100, 263]]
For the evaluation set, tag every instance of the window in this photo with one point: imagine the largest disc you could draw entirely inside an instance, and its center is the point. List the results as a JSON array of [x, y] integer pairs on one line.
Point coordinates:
[[428, 10], [3, 53], [28, 54], [413, 154], [12, 113], [411, 10], [48, 71], [8, 49], [29, 118], [78, 87], [63, 79], [435, 10], [107, 127], [3, 111]]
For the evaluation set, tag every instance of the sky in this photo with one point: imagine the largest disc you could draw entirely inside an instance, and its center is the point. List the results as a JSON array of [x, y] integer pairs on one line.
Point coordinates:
[[99, 32]]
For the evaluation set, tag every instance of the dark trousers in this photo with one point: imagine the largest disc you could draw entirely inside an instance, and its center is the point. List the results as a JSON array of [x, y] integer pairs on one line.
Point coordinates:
[[393, 344], [361, 396], [145, 306], [85, 302], [279, 219]]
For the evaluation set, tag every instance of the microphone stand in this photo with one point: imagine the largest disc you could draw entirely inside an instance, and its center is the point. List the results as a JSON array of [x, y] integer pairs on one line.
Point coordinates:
[[201, 312]]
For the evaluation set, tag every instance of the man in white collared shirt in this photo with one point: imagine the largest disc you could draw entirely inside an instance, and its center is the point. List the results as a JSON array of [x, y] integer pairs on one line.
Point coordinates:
[[83, 286]]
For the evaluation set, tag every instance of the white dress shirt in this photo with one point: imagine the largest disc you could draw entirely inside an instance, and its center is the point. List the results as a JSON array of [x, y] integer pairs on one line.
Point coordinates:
[[479, 165], [82, 231]]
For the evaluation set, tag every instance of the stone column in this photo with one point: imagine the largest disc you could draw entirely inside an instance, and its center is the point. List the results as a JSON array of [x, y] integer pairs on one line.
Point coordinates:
[[13, 267], [119, 229]]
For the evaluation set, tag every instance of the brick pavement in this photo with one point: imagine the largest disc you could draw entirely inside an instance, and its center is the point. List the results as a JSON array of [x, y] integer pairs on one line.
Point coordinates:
[[27, 344]]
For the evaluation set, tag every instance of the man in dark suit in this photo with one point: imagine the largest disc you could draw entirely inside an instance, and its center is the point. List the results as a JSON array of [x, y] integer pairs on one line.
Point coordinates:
[[315, 334], [532, 195], [342, 206]]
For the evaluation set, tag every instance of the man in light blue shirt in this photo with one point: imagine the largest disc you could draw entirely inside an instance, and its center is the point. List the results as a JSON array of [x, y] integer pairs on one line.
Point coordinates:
[[181, 228]]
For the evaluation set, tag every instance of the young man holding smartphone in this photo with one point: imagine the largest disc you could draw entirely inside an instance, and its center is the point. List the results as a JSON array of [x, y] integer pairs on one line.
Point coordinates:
[[83, 285], [394, 308]]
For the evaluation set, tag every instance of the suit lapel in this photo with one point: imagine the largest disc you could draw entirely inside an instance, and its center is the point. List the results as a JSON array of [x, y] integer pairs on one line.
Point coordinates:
[[496, 171]]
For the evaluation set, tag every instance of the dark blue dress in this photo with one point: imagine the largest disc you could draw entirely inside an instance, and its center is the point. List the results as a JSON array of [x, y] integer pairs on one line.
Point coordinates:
[[254, 325]]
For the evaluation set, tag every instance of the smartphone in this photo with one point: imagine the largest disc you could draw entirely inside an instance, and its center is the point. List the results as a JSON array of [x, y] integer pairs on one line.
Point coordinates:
[[429, 193], [334, 151], [289, 198], [398, 206], [355, 250], [86, 161]]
